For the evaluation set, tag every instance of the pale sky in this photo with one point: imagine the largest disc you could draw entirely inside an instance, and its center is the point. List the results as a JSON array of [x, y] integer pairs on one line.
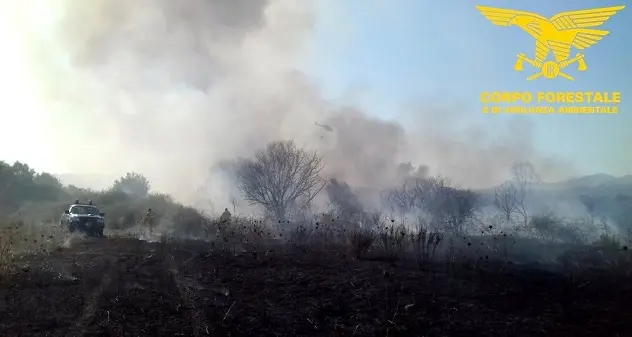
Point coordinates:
[[389, 57]]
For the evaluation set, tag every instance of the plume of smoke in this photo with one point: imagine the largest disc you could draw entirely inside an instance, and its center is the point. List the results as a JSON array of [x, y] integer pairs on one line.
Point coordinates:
[[342, 197], [172, 89]]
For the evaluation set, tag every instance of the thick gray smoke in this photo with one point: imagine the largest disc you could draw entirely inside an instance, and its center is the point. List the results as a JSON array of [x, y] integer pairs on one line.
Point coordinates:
[[172, 88]]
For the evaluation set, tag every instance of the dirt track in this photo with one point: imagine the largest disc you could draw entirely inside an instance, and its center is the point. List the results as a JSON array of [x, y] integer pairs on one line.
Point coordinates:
[[127, 287]]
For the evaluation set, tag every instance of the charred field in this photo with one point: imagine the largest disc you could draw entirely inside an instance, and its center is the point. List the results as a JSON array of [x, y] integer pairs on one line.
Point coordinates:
[[129, 287]]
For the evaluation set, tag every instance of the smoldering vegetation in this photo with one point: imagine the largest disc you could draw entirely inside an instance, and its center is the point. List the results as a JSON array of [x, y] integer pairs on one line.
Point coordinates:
[[424, 219], [578, 223], [202, 98]]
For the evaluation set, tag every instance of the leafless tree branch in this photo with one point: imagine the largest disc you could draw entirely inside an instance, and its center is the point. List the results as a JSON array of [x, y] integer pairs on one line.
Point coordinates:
[[524, 177], [505, 199], [434, 197], [511, 196], [280, 177]]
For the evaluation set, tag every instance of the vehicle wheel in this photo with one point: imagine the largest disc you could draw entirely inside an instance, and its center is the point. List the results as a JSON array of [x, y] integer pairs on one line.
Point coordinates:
[[71, 228]]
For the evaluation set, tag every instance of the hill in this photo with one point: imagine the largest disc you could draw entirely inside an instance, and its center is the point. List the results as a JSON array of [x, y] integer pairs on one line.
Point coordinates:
[[592, 184]]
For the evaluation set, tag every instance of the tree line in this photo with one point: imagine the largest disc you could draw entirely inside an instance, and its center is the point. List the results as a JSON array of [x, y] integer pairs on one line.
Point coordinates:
[[284, 179]]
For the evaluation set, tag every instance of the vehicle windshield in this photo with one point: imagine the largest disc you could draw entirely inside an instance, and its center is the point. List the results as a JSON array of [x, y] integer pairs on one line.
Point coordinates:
[[91, 210]]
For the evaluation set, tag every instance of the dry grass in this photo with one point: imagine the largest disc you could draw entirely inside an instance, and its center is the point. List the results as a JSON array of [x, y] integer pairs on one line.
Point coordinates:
[[424, 243], [18, 238], [360, 240], [391, 239], [6, 256], [373, 237]]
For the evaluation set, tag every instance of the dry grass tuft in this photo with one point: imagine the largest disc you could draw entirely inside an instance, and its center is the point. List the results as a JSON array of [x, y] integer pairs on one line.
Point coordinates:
[[18, 238], [424, 244], [391, 239], [6, 256], [360, 241]]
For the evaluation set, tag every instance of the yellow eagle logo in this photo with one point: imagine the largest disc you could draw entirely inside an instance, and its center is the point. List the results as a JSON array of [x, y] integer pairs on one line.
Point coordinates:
[[556, 34]]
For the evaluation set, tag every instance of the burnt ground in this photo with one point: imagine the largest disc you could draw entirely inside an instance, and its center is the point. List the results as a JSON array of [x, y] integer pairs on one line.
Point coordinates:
[[126, 287]]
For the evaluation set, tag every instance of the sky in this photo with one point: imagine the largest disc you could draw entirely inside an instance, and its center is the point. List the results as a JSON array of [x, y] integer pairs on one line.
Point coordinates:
[[457, 53], [171, 89]]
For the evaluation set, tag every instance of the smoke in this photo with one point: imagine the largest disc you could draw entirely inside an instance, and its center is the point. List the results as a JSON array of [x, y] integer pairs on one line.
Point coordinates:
[[171, 89]]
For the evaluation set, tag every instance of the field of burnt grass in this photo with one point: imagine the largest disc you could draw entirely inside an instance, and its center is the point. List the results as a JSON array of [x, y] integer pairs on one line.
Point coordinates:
[[123, 286]]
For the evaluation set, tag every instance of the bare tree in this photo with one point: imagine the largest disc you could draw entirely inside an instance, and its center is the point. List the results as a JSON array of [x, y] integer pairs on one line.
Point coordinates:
[[511, 196], [505, 199], [461, 207], [280, 177], [448, 206], [442, 205], [400, 199], [432, 196], [524, 176]]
